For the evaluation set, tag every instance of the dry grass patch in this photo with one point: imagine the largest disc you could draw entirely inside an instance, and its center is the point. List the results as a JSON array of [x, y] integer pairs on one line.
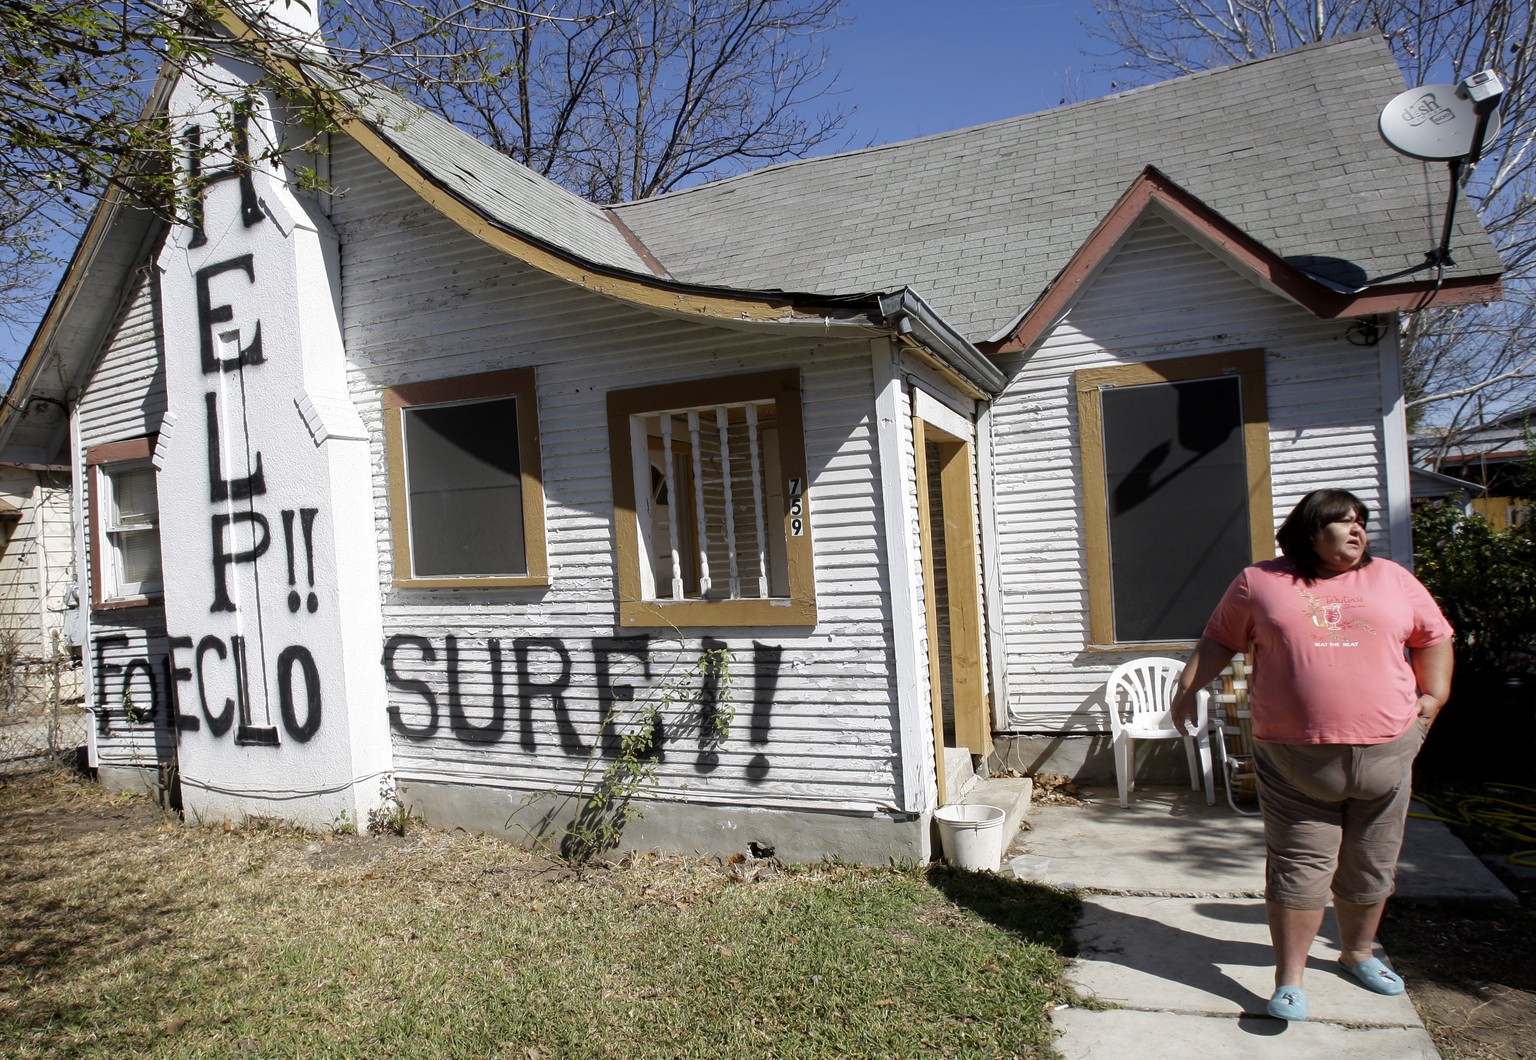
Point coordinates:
[[124, 932]]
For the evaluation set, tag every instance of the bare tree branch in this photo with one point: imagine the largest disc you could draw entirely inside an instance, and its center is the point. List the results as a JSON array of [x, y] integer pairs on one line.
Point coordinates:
[[616, 99]]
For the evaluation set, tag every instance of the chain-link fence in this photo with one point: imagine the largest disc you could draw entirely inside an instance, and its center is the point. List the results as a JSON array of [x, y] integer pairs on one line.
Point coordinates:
[[42, 716]]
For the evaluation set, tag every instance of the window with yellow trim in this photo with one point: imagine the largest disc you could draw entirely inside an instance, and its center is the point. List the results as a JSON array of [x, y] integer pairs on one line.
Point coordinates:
[[711, 503], [1176, 491], [466, 496]]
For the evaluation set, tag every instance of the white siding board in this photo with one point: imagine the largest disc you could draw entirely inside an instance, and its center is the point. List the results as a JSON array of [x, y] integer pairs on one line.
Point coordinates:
[[1161, 296], [22, 615], [421, 300], [125, 395], [124, 398], [132, 729]]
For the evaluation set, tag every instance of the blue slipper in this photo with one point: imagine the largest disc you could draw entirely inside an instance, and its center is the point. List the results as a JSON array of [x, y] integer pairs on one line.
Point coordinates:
[[1288, 1004], [1375, 976]]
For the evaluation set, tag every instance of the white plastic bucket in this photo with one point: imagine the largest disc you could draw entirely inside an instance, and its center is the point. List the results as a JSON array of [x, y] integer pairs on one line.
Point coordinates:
[[972, 835]]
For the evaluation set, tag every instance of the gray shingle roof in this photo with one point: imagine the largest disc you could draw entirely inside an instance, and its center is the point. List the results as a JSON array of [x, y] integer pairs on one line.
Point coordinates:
[[500, 189], [980, 220]]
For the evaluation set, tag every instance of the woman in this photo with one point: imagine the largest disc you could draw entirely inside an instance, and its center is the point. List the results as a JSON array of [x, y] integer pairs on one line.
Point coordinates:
[[1338, 715]]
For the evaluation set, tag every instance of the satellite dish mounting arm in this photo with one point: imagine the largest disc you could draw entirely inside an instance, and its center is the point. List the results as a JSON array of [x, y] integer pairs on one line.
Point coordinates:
[[1484, 90]]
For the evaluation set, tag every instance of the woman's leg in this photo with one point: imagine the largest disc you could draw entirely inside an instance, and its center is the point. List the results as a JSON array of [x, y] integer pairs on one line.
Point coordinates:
[[1291, 931], [1357, 929], [1302, 827], [1381, 789]]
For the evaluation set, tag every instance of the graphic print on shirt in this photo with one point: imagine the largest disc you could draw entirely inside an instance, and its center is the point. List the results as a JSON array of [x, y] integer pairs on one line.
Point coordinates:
[[1328, 615]]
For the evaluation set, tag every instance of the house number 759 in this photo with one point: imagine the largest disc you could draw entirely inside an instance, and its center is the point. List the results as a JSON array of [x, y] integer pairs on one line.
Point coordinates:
[[796, 507]]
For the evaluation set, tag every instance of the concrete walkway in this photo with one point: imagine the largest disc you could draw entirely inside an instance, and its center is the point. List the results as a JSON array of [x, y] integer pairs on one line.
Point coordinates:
[[1173, 933]]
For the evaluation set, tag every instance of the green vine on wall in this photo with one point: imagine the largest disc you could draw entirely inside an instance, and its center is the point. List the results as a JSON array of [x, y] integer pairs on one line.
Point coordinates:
[[605, 795]]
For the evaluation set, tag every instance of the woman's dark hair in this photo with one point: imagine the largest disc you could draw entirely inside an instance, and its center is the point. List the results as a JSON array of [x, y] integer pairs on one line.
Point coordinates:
[[1313, 512]]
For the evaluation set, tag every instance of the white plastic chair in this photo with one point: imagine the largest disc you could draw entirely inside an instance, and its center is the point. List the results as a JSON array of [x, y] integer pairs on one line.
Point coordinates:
[[1139, 695]]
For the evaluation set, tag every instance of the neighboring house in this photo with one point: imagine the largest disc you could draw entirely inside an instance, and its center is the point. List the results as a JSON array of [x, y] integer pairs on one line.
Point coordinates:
[[40, 694], [36, 561], [432, 475], [1431, 487], [1481, 463]]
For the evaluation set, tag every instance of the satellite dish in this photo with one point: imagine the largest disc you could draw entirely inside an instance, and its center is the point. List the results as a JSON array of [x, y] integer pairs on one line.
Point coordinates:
[[1445, 123], [1435, 123]]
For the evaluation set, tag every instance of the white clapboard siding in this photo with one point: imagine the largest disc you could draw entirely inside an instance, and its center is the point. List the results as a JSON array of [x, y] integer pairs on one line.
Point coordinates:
[[131, 708], [424, 301], [56, 503], [125, 395], [20, 606], [124, 398], [35, 565], [1161, 296]]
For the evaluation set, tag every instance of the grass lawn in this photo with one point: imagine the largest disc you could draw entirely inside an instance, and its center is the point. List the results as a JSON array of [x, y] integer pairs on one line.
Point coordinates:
[[125, 933]]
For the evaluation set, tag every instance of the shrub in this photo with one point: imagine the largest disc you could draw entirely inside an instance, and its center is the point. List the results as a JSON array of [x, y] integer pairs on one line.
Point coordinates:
[[1485, 581]]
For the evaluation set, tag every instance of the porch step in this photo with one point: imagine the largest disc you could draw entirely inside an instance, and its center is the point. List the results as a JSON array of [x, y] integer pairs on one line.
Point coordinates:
[[959, 775], [1012, 795]]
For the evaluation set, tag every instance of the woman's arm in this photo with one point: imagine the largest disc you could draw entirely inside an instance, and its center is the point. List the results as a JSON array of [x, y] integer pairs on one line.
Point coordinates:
[[1209, 659], [1432, 667]]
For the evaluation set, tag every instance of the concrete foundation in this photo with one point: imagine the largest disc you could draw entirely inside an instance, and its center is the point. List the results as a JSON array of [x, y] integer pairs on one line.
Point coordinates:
[[141, 780], [793, 836], [1087, 759]]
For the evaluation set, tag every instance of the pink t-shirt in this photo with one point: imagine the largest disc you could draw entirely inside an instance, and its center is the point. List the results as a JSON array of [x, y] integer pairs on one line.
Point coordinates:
[[1328, 663]]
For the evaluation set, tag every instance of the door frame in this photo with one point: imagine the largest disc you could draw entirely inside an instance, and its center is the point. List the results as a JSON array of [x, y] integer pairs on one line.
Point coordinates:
[[964, 665]]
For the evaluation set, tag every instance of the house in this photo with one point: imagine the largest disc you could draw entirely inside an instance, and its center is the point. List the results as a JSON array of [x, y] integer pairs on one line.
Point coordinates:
[[36, 559], [821, 483], [39, 663], [1481, 464]]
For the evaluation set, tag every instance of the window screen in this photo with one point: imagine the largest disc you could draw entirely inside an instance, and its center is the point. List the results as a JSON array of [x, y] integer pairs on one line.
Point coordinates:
[[464, 489], [132, 530], [1177, 503]]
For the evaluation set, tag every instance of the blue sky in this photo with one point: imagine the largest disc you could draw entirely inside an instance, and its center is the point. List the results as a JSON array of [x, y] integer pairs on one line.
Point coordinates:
[[915, 67], [909, 68]]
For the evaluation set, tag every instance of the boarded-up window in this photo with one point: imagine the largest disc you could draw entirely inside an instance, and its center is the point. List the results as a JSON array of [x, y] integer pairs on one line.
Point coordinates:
[[1176, 491], [466, 503]]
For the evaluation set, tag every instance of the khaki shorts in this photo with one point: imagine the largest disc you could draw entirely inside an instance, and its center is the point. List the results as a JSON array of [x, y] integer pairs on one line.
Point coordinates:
[[1334, 817]]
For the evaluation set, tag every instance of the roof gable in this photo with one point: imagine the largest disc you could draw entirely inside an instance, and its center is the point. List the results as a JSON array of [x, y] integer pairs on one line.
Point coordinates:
[[1152, 192]]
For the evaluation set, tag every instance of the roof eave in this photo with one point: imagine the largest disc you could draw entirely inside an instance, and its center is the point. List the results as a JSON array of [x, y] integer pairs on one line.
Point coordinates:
[[1153, 191], [31, 384]]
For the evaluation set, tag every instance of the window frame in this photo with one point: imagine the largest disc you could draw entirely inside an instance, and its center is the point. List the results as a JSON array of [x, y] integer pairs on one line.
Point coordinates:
[[516, 383], [1248, 366], [783, 388], [101, 463]]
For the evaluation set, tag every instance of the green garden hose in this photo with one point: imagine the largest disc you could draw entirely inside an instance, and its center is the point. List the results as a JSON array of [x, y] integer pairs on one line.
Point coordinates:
[[1506, 818]]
